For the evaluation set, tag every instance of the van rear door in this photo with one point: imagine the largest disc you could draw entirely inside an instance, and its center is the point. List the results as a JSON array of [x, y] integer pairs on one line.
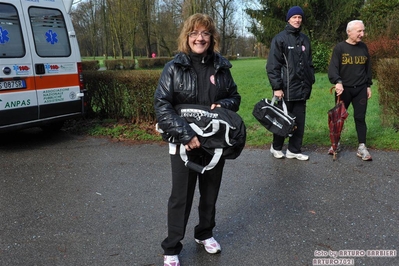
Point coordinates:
[[56, 59]]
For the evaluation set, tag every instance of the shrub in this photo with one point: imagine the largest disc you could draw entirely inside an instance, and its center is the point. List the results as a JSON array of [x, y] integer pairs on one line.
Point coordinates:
[[156, 62], [321, 54], [231, 57], [119, 64], [126, 95], [381, 48], [91, 65], [388, 90]]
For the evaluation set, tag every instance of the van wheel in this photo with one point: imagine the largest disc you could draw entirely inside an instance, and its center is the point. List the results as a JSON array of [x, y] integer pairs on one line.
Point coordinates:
[[53, 127]]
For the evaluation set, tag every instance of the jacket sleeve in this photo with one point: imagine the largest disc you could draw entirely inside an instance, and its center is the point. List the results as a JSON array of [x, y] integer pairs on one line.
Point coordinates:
[[334, 66], [175, 128], [274, 65], [233, 100]]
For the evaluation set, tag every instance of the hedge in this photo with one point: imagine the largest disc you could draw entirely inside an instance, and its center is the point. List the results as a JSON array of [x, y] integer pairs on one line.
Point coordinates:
[[120, 95], [149, 63], [388, 90], [91, 65], [120, 64]]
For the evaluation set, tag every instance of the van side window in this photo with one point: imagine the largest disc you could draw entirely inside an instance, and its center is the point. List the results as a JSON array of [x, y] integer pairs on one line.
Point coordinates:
[[11, 40], [49, 32]]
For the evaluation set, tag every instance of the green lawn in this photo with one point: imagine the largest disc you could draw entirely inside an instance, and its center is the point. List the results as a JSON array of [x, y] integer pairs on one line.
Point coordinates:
[[253, 85]]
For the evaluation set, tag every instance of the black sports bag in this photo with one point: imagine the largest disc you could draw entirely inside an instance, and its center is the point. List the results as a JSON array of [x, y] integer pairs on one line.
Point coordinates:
[[275, 118], [221, 132]]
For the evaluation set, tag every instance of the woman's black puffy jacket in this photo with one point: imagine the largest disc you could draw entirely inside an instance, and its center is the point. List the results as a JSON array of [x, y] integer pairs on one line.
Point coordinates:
[[178, 85]]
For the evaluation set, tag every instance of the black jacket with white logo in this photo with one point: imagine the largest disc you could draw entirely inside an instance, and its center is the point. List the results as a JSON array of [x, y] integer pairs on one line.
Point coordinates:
[[289, 65]]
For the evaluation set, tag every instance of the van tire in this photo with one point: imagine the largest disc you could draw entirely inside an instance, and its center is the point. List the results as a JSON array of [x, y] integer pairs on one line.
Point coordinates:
[[53, 126]]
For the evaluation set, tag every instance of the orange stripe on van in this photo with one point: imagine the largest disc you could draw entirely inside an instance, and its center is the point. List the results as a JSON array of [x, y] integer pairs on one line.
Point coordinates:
[[56, 81], [47, 82]]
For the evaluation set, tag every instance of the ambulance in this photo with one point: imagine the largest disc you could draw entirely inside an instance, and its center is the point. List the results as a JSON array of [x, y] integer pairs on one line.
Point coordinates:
[[41, 83]]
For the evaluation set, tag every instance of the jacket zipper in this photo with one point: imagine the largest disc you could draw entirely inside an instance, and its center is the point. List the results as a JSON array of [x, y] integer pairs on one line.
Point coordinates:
[[288, 78]]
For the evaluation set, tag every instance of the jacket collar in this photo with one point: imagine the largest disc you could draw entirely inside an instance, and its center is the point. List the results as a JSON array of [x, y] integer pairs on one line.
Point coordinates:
[[185, 61], [292, 29]]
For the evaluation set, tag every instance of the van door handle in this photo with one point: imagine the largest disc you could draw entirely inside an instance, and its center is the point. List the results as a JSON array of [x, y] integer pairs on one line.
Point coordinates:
[[40, 70]]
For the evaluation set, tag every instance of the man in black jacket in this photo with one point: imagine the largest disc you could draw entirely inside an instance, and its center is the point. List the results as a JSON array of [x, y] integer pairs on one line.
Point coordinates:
[[291, 74]]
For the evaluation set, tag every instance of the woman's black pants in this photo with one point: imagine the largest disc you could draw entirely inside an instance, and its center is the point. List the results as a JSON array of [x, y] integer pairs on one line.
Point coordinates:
[[180, 202]]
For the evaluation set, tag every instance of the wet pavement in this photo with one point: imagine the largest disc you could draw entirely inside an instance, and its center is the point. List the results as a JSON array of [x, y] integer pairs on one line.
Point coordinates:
[[77, 200]]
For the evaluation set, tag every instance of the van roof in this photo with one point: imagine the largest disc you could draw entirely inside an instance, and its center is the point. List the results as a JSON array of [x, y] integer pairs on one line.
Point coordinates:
[[68, 5]]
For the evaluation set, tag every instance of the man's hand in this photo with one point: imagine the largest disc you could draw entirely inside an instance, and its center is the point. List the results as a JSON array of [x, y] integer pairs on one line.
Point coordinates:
[[339, 88], [279, 94]]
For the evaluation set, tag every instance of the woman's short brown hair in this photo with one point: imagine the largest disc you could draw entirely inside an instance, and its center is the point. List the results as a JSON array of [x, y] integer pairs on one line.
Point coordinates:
[[193, 22]]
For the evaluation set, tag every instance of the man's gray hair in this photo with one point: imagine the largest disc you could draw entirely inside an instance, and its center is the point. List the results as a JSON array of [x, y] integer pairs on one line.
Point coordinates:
[[349, 27]]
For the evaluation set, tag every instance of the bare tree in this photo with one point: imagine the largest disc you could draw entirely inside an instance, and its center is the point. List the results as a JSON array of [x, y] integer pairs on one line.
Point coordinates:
[[105, 28], [167, 26], [141, 27], [225, 12], [145, 20], [132, 21], [114, 9], [86, 20]]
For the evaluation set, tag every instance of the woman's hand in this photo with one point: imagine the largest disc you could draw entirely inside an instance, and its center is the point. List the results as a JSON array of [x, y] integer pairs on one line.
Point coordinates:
[[192, 144], [214, 105]]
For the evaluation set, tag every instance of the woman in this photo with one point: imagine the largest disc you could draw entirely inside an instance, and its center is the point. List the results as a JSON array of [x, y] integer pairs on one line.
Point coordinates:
[[198, 74]]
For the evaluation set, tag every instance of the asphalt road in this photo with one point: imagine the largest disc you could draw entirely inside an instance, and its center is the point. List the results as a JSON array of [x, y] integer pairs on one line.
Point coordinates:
[[77, 200]]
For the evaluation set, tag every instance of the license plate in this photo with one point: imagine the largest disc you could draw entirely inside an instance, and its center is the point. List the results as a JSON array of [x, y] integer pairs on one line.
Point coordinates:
[[12, 84]]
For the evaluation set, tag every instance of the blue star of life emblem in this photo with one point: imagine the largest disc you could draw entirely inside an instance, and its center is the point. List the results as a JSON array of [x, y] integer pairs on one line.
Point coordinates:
[[51, 37], [3, 35]]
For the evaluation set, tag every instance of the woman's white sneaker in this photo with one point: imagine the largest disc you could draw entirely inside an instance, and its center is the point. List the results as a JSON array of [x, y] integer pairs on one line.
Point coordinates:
[[210, 244], [172, 260]]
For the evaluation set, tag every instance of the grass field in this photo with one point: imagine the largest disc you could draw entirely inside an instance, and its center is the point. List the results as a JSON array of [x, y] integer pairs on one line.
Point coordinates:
[[253, 85]]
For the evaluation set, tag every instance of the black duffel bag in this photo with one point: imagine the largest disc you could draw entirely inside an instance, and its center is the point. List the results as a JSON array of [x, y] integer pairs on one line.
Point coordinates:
[[221, 132], [274, 117]]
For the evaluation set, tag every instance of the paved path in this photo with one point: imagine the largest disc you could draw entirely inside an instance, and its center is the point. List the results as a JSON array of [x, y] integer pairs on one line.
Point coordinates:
[[75, 200]]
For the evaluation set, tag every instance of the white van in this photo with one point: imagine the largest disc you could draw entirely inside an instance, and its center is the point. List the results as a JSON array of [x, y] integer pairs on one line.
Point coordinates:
[[41, 80]]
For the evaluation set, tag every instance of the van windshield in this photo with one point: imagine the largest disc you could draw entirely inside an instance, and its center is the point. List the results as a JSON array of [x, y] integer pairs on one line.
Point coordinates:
[[11, 40], [49, 32]]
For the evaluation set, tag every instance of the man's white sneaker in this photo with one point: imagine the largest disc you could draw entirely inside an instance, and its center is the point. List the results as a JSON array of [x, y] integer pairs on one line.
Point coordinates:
[[171, 260], [210, 244], [299, 156], [363, 153], [276, 154]]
